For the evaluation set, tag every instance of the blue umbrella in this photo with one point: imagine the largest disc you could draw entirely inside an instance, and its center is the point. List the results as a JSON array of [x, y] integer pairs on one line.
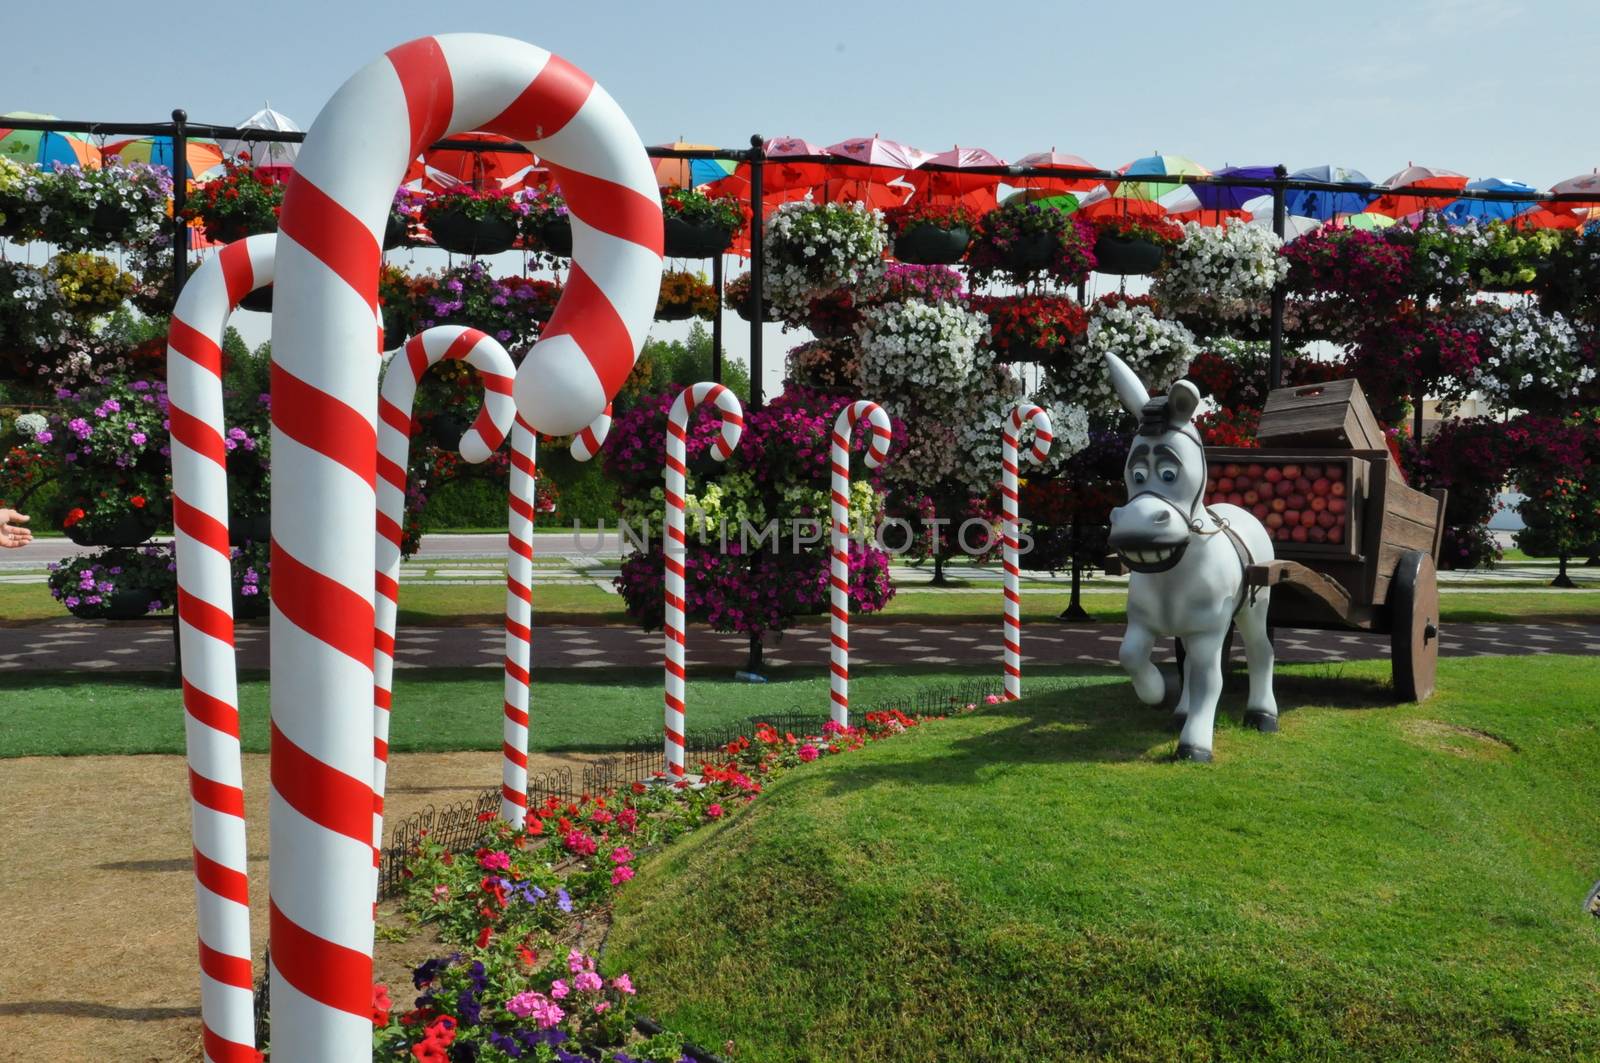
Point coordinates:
[[1233, 197], [1326, 205], [1486, 210]]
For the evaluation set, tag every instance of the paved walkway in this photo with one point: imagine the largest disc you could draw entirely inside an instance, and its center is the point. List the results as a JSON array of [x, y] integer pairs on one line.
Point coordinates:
[[73, 645]]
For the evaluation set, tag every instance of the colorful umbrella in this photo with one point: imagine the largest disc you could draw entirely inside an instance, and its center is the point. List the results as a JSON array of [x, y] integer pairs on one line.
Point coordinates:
[[31, 147], [271, 155], [1324, 206], [1364, 220], [1229, 199], [691, 173], [1054, 160], [946, 182], [1419, 177], [1486, 210], [202, 157], [877, 178], [1294, 225], [1044, 197], [781, 180], [1586, 183], [1154, 165]]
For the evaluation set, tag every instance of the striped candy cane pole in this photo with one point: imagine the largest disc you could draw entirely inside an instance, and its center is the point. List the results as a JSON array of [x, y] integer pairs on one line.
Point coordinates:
[[839, 545], [674, 545], [406, 367], [324, 450], [519, 606], [205, 635], [1010, 433]]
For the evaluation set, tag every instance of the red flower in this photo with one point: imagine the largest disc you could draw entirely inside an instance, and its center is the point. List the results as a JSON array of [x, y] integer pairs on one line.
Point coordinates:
[[137, 501], [484, 935], [381, 1005], [714, 811], [73, 516]]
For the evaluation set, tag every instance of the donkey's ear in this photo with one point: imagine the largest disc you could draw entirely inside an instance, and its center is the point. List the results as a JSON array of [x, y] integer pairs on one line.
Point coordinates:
[[1126, 384], [1182, 401]]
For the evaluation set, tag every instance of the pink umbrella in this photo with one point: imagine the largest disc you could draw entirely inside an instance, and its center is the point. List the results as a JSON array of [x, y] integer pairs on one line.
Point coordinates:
[[877, 180], [1413, 176], [1055, 160], [1587, 183], [974, 191]]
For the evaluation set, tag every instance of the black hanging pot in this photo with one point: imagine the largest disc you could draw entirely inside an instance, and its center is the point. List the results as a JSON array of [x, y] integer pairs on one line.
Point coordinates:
[[129, 529], [925, 244], [674, 311], [687, 239], [395, 231], [249, 528], [129, 604], [1126, 255], [453, 231], [250, 606], [447, 430], [556, 237], [227, 232], [259, 300], [1031, 251]]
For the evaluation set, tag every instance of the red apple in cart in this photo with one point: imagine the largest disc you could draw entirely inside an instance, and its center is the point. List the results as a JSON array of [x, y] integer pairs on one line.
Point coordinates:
[[1297, 501], [1279, 505], [1242, 482], [1326, 519], [1273, 474], [1303, 484], [1225, 484], [1236, 499], [1313, 471], [1308, 518], [1291, 471], [1321, 485], [1317, 533], [1230, 470], [1336, 534], [1299, 534], [1253, 470], [1318, 503], [1251, 498], [1265, 488], [1281, 534], [1336, 489], [1261, 510], [1336, 505], [1274, 520], [1335, 473]]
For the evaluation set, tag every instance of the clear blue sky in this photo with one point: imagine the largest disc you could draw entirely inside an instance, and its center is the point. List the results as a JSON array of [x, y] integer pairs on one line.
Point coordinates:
[[1488, 88]]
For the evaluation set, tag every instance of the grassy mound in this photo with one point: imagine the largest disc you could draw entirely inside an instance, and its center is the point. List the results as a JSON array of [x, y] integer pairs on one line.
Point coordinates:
[[1037, 881]]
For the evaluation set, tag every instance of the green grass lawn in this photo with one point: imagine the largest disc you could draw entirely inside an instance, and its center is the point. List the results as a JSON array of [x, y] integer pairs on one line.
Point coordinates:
[[1039, 881], [450, 708]]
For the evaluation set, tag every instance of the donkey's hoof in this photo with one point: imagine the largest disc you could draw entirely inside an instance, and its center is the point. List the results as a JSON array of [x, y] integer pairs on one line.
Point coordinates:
[[1265, 722], [1194, 753], [1176, 721]]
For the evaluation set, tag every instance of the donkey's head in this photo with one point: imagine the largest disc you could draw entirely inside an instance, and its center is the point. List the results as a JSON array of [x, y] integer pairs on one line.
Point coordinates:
[[1165, 474]]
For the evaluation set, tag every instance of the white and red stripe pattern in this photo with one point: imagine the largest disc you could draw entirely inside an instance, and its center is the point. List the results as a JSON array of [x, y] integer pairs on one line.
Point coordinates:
[[325, 365], [488, 431], [205, 634], [1010, 434], [879, 436], [519, 605], [674, 546]]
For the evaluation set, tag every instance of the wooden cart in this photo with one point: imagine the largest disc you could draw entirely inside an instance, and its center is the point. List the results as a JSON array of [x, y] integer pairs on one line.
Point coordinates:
[[1371, 565]]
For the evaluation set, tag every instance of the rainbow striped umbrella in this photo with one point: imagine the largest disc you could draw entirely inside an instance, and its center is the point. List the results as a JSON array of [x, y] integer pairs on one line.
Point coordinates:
[[1155, 165], [203, 156], [31, 147], [691, 173]]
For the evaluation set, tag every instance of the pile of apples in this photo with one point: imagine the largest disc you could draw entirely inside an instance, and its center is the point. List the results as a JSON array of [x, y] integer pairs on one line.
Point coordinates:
[[1297, 503]]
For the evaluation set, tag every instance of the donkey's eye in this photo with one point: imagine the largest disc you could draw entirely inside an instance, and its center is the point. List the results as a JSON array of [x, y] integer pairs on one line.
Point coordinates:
[[1169, 476], [1138, 476]]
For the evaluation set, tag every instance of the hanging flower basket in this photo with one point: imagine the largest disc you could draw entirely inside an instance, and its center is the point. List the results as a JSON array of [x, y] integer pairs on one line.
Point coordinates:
[[396, 231], [737, 296], [259, 300], [688, 239], [129, 529], [677, 311], [1126, 256], [130, 604], [926, 244], [453, 230], [684, 295], [556, 237]]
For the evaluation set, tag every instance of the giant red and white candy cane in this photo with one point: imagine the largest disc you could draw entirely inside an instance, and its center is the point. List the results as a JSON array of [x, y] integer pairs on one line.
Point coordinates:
[[205, 636], [673, 544], [839, 541], [1010, 433], [406, 367], [324, 447], [519, 605]]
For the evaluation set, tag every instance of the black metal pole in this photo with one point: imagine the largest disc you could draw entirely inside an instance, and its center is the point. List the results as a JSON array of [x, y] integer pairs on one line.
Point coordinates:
[[716, 320], [1075, 609], [758, 287], [180, 200], [1279, 222]]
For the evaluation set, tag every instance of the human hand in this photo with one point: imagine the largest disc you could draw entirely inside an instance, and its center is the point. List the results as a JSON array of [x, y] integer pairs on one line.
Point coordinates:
[[12, 532]]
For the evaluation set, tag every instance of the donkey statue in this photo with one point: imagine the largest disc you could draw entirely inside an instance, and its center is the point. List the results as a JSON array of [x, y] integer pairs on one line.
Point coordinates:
[[1187, 566]]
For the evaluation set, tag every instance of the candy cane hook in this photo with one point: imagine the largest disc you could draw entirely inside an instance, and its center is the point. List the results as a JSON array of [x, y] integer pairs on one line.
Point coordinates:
[[324, 450], [674, 546], [1010, 433], [519, 605], [407, 364], [879, 435], [205, 636]]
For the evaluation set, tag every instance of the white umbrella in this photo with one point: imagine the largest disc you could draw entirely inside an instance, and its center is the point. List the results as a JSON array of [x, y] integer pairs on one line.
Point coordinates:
[[265, 153]]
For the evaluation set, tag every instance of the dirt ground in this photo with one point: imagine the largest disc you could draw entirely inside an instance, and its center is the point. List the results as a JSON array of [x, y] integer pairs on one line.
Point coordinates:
[[97, 933]]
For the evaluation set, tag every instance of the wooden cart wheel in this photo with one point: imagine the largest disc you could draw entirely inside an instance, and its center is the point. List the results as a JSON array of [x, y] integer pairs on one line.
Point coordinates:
[[1414, 627]]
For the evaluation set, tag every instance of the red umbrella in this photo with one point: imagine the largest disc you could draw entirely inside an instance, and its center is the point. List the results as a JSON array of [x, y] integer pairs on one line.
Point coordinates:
[[974, 191], [1585, 183], [1551, 216], [1425, 177], [781, 181], [1054, 160], [503, 171]]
